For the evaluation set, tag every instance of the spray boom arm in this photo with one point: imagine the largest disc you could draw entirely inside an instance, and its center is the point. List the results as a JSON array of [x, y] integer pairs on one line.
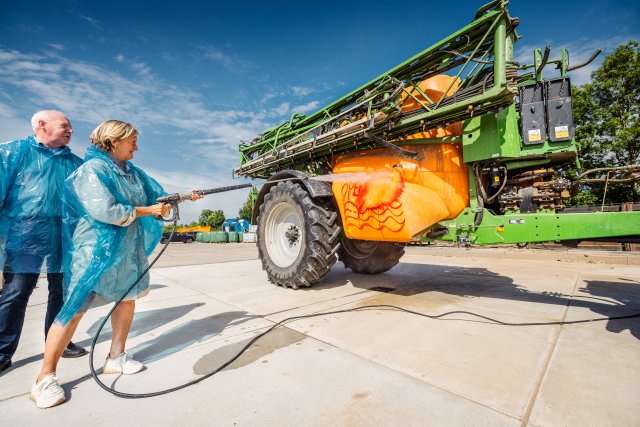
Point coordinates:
[[480, 59]]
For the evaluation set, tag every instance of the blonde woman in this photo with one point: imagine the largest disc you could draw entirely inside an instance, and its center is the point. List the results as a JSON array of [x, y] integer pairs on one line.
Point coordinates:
[[109, 231]]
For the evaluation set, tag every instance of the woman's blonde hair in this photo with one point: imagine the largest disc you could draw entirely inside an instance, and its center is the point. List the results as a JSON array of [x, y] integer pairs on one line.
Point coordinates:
[[109, 132]]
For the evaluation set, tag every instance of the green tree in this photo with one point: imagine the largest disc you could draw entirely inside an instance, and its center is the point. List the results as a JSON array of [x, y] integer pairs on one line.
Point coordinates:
[[203, 219], [247, 210], [214, 219], [606, 115], [217, 218]]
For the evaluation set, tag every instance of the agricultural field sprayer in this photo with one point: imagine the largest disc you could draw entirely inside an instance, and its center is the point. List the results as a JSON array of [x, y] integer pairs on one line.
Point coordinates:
[[458, 143]]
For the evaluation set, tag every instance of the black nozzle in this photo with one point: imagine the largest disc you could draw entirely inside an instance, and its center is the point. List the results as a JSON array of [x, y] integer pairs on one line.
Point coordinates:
[[587, 62], [545, 58]]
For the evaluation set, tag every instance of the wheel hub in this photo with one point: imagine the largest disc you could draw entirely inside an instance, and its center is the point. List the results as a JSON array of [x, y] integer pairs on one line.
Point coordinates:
[[283, 234], [292, 234]]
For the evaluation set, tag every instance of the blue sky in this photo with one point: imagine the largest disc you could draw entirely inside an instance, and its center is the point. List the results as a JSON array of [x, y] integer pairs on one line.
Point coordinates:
[[196, 77]]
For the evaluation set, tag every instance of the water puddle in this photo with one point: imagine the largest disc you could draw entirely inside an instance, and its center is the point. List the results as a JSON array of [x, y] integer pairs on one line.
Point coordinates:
[[276, 339]]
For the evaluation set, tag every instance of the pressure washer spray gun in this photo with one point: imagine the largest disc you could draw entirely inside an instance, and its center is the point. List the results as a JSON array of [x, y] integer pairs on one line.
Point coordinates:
[[175, 198]]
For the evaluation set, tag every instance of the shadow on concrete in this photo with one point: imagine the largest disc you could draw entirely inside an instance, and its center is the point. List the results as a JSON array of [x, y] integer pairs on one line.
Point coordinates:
[[625, 298], [188, 333], [143, 322], [174, 340], [606, 298], [71, 385], [23, 362]]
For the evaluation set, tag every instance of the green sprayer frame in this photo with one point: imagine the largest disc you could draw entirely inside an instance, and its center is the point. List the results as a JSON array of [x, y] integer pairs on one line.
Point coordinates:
[[516, 227], [480, 55]]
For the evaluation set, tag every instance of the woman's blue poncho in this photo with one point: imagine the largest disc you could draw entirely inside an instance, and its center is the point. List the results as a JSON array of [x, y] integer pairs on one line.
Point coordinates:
[[106, 249]]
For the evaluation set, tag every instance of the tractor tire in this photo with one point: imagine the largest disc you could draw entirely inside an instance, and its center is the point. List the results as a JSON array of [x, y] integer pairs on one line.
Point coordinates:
[[369, 257], [297, 236]]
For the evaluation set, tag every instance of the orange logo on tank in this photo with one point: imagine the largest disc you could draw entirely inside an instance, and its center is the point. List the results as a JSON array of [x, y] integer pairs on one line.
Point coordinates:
[[374, 201], [384, 198]]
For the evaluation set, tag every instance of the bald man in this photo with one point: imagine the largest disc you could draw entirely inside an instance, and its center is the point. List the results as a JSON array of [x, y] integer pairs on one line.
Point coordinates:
[[32, 173]]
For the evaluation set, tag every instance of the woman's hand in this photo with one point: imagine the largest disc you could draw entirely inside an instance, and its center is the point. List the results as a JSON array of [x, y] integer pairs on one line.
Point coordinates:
[[195, 196], [159, 209]]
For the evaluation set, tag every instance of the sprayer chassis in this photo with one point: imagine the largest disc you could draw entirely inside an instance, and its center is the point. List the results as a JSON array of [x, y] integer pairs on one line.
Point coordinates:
[[509, 147]]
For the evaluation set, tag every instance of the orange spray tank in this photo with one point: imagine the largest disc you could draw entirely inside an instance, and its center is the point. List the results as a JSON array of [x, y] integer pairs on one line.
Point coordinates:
[[384, 197]]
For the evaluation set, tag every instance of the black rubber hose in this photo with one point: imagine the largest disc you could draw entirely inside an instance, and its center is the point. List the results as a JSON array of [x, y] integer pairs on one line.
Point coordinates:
[[593, 56], [104, 321], [350, 310], [545, 58]]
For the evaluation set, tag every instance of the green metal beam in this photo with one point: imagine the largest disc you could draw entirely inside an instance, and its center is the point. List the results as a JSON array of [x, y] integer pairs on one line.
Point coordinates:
[[516, 227]]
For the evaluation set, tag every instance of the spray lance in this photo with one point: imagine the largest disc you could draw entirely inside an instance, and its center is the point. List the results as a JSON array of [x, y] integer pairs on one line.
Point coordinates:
[[174, 198]]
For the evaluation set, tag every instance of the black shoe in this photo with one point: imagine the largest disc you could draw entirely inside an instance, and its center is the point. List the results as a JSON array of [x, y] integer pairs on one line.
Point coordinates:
[[5, 364], [73, 350]]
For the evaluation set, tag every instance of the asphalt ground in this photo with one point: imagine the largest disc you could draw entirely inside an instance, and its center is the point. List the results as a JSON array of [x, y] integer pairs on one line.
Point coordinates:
[[480, 337]]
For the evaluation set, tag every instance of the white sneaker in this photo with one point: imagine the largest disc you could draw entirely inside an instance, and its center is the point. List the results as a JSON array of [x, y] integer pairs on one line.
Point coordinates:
[[122, 364], [47, 392]]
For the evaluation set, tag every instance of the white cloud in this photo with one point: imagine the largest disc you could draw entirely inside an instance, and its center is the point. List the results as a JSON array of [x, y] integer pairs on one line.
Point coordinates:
[[9, 55], [90, 20], [119, 58], [142, 69], [7, 111], [269, 95], [305, 108], [89, 93], [285, 107], [231, 62], [282, 109], [13, 127], [219, 56], [56, 46], [301, 90]]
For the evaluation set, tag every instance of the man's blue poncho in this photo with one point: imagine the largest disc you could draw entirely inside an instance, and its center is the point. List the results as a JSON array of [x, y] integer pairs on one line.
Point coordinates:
[[104, 251], [31, 181]]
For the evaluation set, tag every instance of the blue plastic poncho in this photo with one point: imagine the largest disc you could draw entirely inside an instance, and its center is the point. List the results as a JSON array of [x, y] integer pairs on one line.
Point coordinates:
[[106, 246], [31, 179]]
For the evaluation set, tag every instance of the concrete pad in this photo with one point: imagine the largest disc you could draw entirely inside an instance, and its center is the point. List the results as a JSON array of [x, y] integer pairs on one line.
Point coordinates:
[[492, 353], [307, 383], [172, 323], [594, 373], [486, 363]]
